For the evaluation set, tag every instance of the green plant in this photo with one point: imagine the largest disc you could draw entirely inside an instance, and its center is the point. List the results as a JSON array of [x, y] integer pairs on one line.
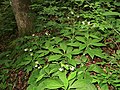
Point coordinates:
[[66, 60], [7, 20]]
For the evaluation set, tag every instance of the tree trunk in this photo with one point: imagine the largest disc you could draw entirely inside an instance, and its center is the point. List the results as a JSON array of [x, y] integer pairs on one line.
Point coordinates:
[[24, 21]]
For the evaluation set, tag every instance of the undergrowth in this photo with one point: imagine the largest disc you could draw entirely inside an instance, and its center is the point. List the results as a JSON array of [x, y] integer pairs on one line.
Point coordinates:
[[83, 53]]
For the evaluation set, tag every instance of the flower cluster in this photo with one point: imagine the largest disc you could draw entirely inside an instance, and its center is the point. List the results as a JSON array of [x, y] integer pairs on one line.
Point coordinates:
[[67, 67], [37, 65]]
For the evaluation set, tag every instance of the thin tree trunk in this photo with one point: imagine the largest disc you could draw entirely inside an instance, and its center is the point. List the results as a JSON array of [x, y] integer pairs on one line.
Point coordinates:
[[24, 21]]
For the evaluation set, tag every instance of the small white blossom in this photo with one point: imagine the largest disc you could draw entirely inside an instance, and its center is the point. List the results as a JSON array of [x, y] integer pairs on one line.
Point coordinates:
[[53, 37], [72, 12], [36, 62], [36, 65], [68, 17], [78, 16], [26, 49], [83, 22], [46, 33], [30, 50], [33, 35], [39, 67], [7, 55], [31, 54], [72, 68], [61, 69], [88, 23]]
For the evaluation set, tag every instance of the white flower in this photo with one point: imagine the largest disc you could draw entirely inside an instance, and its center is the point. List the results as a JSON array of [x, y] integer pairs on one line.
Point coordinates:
[[61, 69], [30, 50], [46, 33], [33, 35], [83, 22], [36, 62], [26, 49], [72, 12], [31, 54], [7, 55], [88, 23], [53, 37], [68, 17], [72, 68], [78, 16], [36, 65], [39, 67]]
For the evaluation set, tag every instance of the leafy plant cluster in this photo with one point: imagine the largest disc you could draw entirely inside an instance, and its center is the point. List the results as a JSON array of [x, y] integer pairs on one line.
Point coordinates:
[[7, 20], [74, 58]]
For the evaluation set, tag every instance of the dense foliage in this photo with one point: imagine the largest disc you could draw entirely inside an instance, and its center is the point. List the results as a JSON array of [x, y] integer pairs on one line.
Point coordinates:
[[76, 47]]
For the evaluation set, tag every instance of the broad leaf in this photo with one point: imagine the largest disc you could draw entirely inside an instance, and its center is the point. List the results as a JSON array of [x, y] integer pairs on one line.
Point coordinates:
[[95, 68], [83, 85], [63, 46], [43, 53], [98, 44], [82, 46], [54, 57], [62, 76], [72, 75], [90, 52], [75, 44], [111, 13], [75, 51], [104, 87], [50, 84], [55, 50], [81, 39]]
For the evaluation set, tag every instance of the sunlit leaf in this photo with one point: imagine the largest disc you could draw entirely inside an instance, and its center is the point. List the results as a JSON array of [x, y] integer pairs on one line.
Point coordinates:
[[83, 85], [72, 75], [81, 39], [75, 44], [63, 46], [54, 57], [62, 76]]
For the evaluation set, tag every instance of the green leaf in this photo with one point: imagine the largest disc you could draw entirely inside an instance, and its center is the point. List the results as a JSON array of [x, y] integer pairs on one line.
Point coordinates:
[[83, 85], [33, 77], [72, 62], [75, 44], [111, 13], [94, 36], [104, 87], [72, 75], [75, 51], [95, 68], [31, 87], [40, 77], [90, 52], [82, 46], [97, 44], [95, 52], [24, 63], [69, 50], [81, 39], [54, 57], [68, 55], [98, 52], [62, 76], [95, 41], [58, 39], [55, 50], [43, 53], [63, 46], [117, 3], [50, 84]]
